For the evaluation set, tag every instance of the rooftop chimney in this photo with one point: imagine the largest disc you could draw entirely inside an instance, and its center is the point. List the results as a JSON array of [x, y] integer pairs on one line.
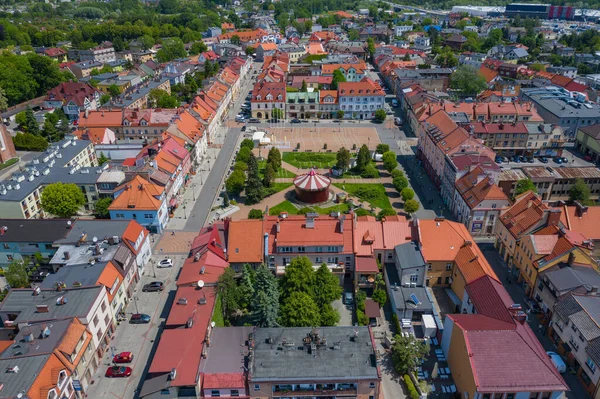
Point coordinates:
[[553, 217]]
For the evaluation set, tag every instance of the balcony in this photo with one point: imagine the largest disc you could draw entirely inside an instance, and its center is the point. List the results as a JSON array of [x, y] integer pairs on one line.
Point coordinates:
[[314, 392]]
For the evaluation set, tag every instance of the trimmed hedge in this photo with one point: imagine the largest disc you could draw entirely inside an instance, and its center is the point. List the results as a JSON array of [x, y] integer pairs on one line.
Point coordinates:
[[396, 323], [412, 391]]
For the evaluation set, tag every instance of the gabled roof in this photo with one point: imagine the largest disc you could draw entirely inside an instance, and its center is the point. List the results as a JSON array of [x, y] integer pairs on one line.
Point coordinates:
[[441, 239], [476, 187], [490, 298], [137, 194], [366, 87], [583, 222], [525, 213], [472, 264], [245, 241]]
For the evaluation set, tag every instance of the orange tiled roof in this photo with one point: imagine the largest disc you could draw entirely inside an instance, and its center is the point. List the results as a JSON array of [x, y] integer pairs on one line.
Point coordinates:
[[475, 189], [488, 73], [366, 87], [441, 239], [245, 35], [472, 264], [585, 223], [109, 275], [138, 194], [245, 241], [189, 126], [100, 119], [527, 210], [328, 69], [325, 93]]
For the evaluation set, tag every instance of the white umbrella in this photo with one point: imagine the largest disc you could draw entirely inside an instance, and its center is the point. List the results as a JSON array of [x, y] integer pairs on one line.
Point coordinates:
[[434, 372]]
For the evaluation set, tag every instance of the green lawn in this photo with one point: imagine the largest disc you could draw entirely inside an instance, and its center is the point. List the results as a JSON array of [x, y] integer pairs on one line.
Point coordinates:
[[374, 194], [281, 173], [8, 163], [218, 313], [306, 160], [277, 187], [287, 206]]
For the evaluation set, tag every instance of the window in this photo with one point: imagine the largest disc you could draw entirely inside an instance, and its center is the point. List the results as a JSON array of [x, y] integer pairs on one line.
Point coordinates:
[[103, 306], [95, 321], [215, 393], [448, 266], [257, 387], [510, 396], [534, 395], [318, 259], [414, 278], [486, 396], [590, 363], [9, 257], [301, 249], [148, 216], [235, 392], [429, 266], [6, 246], [371, 385], [107, 319]]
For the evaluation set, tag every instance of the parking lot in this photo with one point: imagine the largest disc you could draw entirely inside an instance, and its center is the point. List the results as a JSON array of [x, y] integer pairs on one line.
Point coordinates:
[[573, 159], [137, 338]]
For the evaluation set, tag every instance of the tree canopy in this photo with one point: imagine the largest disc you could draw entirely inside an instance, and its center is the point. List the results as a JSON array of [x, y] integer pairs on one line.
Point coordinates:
[[62, 200], [407, 353], [524, 185], [468, 80], [16, 274], [580, 191]]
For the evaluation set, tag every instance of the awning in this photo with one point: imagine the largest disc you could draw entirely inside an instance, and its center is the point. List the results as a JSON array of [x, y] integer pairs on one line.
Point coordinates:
[[366, 264], [173, 202]]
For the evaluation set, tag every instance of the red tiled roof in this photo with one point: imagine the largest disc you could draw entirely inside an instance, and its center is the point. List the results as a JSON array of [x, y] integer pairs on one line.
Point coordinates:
[[585, 223], [366, 87], [527, 210], [490, 298], [371, 308], [208, 269], [472, 264], [365, 264], [245, 241], [223, 381]]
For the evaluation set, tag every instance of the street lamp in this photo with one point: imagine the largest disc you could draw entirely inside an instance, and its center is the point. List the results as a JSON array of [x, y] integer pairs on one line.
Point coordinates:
[[135, 302], [153, 269], [184, 212], [194, 188]]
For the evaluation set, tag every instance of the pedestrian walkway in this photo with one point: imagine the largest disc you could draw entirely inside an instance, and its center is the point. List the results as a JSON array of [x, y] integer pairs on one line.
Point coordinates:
[[179, 243]]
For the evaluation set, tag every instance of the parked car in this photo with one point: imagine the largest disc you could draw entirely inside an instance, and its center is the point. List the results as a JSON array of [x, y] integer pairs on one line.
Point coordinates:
[[348, 298], [166, 262], [558, 160], [295, 120], [140, 318], [529, 159], [153, 286], [543, 159], [521, 158], [123, 357], [394, 103], [398, 121], [499, 159], [118, 372], [564, 160], [557, 361], [244, 128], [532, 306], [253, 120], [516, 159]]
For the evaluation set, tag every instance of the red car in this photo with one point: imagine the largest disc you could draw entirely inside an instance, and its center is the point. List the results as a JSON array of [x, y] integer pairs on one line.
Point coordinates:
[[118, 372], [123, 357]]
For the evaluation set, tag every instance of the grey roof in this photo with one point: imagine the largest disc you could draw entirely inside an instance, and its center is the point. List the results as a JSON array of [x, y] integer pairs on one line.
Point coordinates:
[[402, 298], [46, 336], [569, 278], [33, 230], [459, 117], [566, 307], [226, 351], [50, 168], [520, 52], [153, 386], [85, 274], [583, 311], [351, 360], [16, 383], [556, 102], [593, 350], [538, 128], [409, 255], [588, 328], [94, 228], [23, 302]]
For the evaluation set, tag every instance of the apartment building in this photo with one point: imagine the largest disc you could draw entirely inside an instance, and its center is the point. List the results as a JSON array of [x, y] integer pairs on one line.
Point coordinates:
[[68, 161], [588, 141], [72, 98], [527, 214], [328, 104], [360, 100], [102, 54], [478, 201], [302, 105], [266, 97], [575, 331], [23, 307], [310, 367]]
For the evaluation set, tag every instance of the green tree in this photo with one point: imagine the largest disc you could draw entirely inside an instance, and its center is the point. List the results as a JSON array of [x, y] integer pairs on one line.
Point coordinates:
[[380, 115], [197, 48], [113, 90], [382, 148], [329, 316], [274, 158], [16, 274], [411, 206], [247, 143], [343, 159], [370, 46], [407, 354], [339, 114], [277, 113], [146, 42], [380, 297], [400, 183], [265, 303], [162, 99], [299, 310], [407, 194], [239, 165], [104, 99], [101, 209], [225, 200], [235, 182], [304, 87], [579, 192], [363, 158], [3, 100], [172, 48], [235, 39], [369, 172], [269, 175], [397, 172], [524, 185], [338, 77], [50, 131], [31, 124], [30, 142], [253, 189], [102, 159], [389, 161], [229, 293], [62, 200], [255, 214], [353, 35], [299, 277], [21, 120], [446, 58], [386, 212], [243, 155], [326, 286], [468, 80], [246, 286]]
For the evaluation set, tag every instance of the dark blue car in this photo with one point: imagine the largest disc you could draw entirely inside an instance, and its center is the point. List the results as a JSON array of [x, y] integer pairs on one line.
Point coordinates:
[[140, 318]]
